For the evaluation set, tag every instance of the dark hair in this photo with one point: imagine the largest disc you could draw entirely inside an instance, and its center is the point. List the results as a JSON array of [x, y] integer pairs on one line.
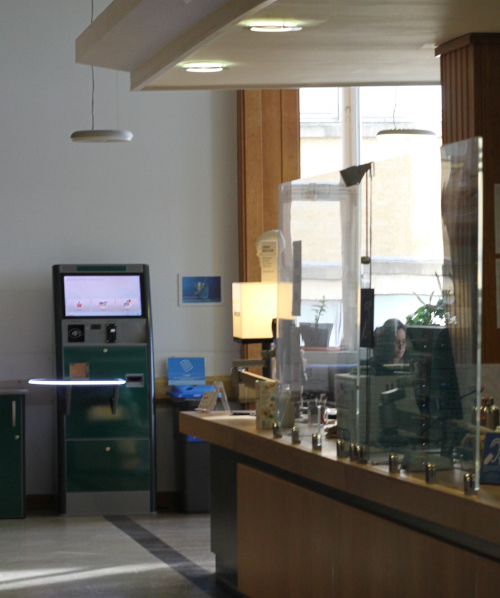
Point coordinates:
[[384, 340]]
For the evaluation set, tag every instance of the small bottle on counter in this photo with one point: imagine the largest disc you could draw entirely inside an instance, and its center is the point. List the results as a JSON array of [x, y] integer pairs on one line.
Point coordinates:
[[484, 405], [492, 414]]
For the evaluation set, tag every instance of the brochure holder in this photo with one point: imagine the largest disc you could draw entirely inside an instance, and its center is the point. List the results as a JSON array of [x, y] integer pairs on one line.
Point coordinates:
[[209, 399]]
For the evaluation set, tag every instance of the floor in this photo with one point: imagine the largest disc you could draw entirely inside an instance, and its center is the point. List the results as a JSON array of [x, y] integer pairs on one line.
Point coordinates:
[[48, 556]]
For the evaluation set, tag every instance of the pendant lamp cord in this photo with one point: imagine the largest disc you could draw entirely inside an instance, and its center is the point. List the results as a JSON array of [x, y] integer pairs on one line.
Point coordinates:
[[367, 216], [394, 111], [92, 67], [370, 196], [369, 220], [92, 103]]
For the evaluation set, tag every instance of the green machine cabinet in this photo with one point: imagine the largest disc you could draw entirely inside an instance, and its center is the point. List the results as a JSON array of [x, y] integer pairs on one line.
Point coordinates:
[[12, 471], [106, 435]]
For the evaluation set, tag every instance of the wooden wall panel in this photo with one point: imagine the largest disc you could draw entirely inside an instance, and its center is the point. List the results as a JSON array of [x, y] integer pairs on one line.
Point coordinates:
[[285, 537], [457, 78], [272, 150], [488, 581], [293, 542], [290, 127], [470, 68]]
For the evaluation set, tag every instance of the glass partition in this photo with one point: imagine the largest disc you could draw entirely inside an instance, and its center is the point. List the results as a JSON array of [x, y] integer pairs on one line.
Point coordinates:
[[317, 330], [462, 212], [410, 230], [420, 382]]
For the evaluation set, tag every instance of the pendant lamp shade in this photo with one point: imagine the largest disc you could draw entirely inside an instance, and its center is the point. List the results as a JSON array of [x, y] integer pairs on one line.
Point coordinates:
[[101, 135], [408, 133]]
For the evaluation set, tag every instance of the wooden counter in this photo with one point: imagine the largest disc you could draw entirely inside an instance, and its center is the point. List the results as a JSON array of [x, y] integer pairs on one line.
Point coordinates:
[[404, 504]]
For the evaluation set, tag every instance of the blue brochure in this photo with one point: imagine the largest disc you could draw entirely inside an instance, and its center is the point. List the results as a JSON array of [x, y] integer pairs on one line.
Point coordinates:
[[490, 462], [186, 370], [188, 391]]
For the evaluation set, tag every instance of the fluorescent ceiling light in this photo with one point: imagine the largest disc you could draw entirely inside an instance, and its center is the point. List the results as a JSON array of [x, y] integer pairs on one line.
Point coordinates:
[[274, 26], [204, 67]]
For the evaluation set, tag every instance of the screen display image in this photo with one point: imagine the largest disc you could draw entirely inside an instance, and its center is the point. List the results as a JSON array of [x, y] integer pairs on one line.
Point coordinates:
[[105, 295]]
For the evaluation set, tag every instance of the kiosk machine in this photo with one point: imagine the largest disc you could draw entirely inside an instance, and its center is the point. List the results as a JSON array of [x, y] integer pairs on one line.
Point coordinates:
[[105, 398]]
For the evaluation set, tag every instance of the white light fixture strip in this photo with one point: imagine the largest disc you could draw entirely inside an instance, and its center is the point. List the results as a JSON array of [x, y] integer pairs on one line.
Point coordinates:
[[68, 384], [76, 382], [204, 67], [274, 27]]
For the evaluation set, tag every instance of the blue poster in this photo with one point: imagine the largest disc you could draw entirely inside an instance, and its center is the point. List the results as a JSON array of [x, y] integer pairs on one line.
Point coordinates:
[[186, 370], [201, 289], [490, 463]]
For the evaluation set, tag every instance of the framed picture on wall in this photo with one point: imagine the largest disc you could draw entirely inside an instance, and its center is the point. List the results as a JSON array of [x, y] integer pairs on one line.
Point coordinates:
[[200, 290]]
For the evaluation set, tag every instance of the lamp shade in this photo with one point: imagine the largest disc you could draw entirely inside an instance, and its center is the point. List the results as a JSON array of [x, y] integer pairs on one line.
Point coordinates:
[[405, 133], [254, 308], [102, 135]]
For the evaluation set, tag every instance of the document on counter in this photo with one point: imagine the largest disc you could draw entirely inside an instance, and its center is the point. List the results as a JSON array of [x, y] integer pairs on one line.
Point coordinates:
[[207, 401]]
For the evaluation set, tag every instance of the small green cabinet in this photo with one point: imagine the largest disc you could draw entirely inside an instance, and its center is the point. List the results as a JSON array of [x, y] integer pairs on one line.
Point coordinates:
[[12, 474]]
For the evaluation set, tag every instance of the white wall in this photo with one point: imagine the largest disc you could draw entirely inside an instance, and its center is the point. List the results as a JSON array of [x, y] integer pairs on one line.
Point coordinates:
[[167, 199]]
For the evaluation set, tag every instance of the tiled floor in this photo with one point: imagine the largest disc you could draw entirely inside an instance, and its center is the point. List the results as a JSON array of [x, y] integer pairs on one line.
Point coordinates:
[[149, 556]]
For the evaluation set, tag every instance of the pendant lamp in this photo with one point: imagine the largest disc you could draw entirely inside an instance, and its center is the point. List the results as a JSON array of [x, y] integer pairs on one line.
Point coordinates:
[[405, 133], [99, 135], [402, 133]]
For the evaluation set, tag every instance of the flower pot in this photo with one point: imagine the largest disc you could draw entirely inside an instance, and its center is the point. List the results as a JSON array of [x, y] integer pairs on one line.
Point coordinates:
[[315, 335]]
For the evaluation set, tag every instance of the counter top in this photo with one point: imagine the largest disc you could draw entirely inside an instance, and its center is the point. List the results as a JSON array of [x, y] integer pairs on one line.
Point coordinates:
[[439, 504]]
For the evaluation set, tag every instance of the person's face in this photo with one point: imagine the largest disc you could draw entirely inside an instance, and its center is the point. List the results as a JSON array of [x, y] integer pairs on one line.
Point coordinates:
[[400, 344]]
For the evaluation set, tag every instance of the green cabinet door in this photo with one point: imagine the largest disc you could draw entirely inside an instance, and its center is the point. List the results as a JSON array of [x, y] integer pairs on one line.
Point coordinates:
[[90, 414], [107, 465], [11, 456]]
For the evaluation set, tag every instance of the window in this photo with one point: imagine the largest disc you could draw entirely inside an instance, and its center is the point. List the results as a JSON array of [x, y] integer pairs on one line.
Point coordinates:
[[407, 245]]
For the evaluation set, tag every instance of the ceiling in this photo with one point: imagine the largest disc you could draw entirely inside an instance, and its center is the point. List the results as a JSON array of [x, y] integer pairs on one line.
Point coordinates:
[[342, 42]]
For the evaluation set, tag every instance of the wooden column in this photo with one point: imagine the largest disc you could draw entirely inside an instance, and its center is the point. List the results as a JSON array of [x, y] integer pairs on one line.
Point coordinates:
[[470, 79], [268, 155]]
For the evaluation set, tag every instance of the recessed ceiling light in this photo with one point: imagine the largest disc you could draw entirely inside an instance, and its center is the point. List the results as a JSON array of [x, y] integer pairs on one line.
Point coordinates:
[[204, 67], [273, 26]]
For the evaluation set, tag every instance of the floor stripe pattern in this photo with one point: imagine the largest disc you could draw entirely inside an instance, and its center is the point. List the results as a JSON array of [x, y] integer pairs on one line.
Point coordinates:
[[198, 576]]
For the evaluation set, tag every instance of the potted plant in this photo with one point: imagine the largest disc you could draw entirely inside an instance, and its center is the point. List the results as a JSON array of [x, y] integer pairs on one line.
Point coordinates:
[[431, 314], [316, 334]]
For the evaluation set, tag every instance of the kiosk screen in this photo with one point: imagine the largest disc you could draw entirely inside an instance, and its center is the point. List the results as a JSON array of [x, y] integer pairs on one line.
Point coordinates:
[[102, 295]]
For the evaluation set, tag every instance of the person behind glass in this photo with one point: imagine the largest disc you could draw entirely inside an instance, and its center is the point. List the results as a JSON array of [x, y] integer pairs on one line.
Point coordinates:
[[390, 343]]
